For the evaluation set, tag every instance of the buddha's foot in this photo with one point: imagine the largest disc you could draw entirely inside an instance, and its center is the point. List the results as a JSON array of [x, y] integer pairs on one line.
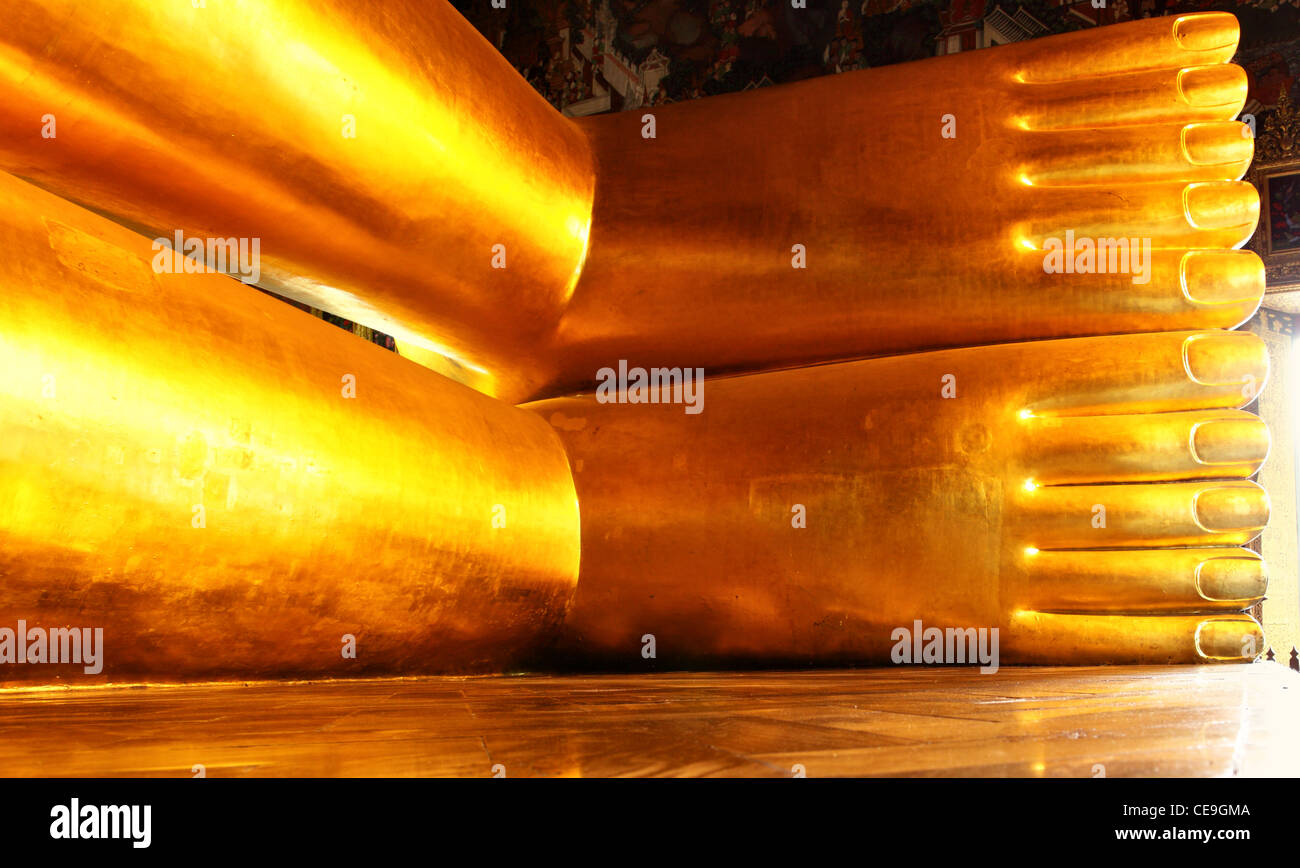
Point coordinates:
[[1073, 185], [1085, 498]]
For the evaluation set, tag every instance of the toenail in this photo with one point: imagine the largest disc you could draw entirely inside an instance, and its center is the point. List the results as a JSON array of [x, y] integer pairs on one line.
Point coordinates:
[[1222, 276], [1229, 639], [1223, 579], [1231, 508], [1226, 359], [1230, 441], [1207, 86], [1206, 32], [1220, 204], [1215, 144]]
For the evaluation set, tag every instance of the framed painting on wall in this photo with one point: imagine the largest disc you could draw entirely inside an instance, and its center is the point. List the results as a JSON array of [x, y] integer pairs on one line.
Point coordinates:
[[1276, 174]]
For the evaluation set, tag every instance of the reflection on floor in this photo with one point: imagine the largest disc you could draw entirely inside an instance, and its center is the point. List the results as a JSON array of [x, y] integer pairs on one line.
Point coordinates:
[[1120, 721]]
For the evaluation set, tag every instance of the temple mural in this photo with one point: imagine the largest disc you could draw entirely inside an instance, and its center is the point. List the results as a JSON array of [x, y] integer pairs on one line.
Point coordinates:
[[593, 56]]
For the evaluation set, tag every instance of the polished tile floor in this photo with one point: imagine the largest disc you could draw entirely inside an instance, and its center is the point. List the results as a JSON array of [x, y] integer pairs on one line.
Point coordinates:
[[1120, 721]]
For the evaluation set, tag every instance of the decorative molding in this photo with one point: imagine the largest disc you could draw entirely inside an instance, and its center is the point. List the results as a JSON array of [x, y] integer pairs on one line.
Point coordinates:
[[1277, 321], [1280, 142]]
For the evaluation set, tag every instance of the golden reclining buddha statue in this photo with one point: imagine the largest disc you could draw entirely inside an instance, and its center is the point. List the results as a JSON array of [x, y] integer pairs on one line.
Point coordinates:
[[963, 326]]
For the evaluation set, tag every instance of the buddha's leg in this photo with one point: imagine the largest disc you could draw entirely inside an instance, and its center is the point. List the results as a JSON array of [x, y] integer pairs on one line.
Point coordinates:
[[912, 240], [233, 121], [227, 486], [1086, 497], [381, 150]]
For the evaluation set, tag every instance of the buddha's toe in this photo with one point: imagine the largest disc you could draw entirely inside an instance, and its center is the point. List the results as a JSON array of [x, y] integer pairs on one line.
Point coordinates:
[[1042, 637], [1157, 96], [1199, 151], [1154, 43]]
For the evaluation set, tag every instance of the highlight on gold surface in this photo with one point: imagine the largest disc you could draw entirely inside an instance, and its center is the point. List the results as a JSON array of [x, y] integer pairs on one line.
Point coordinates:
[[380, 163]]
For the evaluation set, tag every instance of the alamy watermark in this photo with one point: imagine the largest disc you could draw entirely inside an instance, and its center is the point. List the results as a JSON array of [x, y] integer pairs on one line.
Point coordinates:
[[56, 645], [952, 645], [237, 257], [1098, 256], [75, 820], [651, 386]]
